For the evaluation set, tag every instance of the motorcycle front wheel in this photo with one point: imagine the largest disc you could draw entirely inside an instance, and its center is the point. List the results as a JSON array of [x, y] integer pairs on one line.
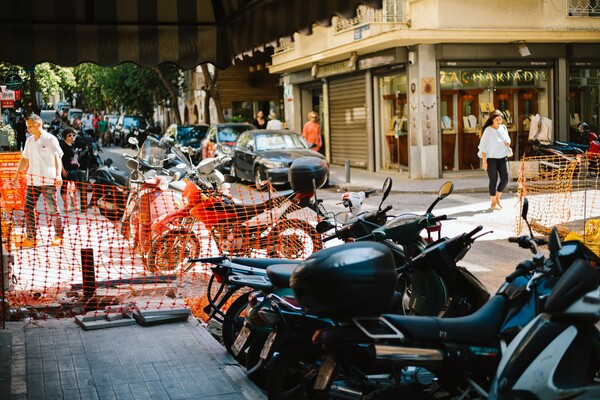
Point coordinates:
[[294, 239], [111, 203], [232, 325], [292, 374], [170, 251]]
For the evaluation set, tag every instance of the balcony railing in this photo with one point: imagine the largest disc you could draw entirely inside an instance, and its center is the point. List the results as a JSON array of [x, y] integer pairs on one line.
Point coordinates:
[[393, 11], [583, 8]]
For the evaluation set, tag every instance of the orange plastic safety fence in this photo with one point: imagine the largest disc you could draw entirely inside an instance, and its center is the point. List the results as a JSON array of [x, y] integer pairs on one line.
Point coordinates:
[[563, 192], [111, 245]]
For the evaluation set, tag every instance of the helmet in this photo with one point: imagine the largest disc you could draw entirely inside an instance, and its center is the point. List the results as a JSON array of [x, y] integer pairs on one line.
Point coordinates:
[[583, 128]]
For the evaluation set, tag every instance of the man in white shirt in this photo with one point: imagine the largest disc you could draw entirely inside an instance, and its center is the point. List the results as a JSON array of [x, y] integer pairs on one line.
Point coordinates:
[[274, 123], [42, 159]]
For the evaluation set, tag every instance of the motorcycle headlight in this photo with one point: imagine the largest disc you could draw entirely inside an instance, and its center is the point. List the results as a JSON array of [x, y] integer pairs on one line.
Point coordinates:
[[227, 150]]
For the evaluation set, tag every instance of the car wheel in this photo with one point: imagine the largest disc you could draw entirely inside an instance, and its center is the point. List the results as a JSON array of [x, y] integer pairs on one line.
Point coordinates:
[[258, 178]]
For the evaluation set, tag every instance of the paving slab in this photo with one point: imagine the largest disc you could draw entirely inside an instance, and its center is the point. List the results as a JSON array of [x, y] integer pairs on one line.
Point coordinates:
[[56, 359]]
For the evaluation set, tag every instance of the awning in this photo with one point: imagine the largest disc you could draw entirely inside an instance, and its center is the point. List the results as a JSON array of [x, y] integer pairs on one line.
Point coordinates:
[[150, 32]]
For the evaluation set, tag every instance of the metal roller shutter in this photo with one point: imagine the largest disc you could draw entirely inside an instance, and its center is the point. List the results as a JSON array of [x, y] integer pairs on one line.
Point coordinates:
[[348, 121]]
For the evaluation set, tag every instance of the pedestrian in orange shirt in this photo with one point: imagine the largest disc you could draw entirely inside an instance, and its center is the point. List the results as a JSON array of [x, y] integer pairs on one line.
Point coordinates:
[[312, 132]]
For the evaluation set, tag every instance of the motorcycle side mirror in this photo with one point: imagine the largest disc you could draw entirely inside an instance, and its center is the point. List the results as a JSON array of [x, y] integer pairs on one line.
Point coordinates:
[[524, 212], [108, 162], [132, 164], [386, 189], [346, 218], [324, 226], [445, 190], [133, 141], [229, 179]]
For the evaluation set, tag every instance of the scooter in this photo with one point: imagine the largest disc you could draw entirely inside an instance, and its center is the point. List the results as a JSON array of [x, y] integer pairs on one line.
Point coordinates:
[[557, 354]]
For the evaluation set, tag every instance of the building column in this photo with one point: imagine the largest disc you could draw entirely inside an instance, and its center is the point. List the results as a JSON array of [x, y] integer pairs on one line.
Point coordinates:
[[423, 111]]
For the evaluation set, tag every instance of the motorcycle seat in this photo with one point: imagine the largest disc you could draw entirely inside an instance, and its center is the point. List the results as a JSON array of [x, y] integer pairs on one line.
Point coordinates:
[[481, 327], [120, 176], [280, 274], [250, 202], [263, 263]]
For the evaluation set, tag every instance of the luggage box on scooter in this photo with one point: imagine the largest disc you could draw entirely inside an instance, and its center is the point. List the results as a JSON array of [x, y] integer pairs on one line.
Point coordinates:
[[304, 170], [352, 280]]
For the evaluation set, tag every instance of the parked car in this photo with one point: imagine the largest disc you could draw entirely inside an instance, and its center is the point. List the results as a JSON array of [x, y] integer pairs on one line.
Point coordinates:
[[222, 138], [191, 136], [73, 114], [127, 125], [267, 154]]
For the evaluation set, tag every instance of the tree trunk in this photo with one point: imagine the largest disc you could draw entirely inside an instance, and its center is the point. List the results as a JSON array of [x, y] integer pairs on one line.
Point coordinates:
[[172, 95], [210, 87], [32, 92]]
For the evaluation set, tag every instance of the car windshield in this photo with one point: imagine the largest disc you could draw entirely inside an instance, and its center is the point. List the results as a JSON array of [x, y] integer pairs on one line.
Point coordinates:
[[279, 141], [191, 135], [134, 122], [228, 135]]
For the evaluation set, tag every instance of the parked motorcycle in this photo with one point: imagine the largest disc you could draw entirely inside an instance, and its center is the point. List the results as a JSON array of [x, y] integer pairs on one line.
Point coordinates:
[[557, 354], [461, 353], [278, 227]]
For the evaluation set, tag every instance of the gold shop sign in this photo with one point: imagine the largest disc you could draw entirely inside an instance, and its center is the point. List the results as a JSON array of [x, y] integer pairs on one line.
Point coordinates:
[[516, 77]]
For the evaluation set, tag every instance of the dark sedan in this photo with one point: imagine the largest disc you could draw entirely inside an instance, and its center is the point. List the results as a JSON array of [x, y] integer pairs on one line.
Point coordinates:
[[192, 136], [268, 154]]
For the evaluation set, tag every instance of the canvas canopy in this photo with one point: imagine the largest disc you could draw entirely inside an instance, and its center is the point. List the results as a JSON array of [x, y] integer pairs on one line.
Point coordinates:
[[151, 32]]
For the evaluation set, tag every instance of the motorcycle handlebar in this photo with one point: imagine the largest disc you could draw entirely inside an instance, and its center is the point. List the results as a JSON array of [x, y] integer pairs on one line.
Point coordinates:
[[474, 231], [369, 192], [525, 241]]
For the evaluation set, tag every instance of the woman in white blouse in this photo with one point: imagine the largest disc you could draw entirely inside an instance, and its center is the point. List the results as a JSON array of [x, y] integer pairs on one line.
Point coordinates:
[[494, 148]]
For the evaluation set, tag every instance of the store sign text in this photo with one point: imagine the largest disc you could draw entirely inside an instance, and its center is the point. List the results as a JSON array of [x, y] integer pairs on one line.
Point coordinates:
[[470, 78]]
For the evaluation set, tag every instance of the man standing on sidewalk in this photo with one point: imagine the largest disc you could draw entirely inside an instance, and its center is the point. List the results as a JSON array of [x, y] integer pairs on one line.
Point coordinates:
[[42, 159]]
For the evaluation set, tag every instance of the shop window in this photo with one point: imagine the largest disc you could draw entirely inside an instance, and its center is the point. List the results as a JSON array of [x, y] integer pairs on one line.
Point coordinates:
[[519, 93]]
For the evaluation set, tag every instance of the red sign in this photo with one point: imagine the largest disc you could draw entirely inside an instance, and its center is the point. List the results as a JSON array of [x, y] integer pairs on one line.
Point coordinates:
[[11, 197], [17, 94], [8, 104]]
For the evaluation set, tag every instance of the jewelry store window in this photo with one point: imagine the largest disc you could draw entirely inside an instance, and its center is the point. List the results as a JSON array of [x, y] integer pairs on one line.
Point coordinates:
[[468, 95], [584, 92], [393, 115]]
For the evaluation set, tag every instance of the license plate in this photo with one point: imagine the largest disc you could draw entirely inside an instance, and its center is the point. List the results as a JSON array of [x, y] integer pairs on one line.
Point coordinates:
[[240, 340], [267, 346], [325, 373]]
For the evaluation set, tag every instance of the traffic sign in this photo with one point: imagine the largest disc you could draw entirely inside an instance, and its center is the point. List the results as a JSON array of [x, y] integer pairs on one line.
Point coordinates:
[[13, 81]]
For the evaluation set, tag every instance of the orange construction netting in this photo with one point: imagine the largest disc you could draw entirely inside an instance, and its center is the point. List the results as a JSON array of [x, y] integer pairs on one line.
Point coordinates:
[[563, 191], [115, 249]]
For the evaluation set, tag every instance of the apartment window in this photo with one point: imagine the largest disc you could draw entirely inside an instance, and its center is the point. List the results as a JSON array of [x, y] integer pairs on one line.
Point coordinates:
[[583, 8], [393, 11]]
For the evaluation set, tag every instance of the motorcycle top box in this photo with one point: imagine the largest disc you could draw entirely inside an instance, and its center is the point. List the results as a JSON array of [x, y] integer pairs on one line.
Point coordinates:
[[352, 280], [304, 170]]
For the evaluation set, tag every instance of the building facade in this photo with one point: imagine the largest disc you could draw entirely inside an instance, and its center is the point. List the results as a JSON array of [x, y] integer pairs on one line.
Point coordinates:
[[409, 87]]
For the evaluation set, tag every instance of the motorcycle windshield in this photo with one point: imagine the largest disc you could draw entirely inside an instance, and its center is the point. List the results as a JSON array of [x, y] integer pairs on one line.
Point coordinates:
[[152, 153]]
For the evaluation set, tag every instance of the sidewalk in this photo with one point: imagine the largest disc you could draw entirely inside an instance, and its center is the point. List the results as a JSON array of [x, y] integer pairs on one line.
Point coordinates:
[[469, 181], [56, 359]]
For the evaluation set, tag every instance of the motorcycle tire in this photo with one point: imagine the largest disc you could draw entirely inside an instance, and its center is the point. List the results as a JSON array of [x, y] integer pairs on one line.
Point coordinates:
[[293, 239], [118, 201], [259, 376], [232, 324], [167, 253], [292, 374]]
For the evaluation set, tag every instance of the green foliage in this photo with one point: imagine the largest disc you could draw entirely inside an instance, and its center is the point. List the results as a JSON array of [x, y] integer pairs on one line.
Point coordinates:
[[236, 119], [126, 87]]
